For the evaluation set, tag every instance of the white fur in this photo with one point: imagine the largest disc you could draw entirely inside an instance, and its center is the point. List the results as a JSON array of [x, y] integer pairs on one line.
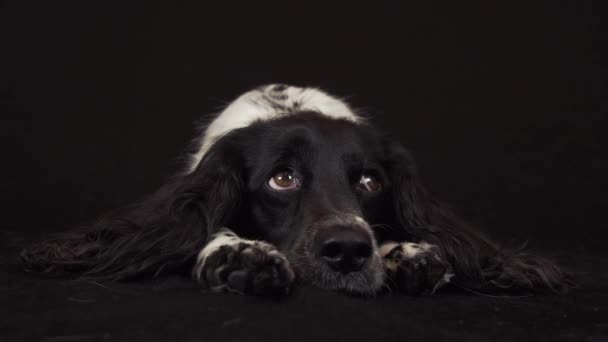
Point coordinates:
[[409, 249], [360, 220], [266, 103], [226, 237]]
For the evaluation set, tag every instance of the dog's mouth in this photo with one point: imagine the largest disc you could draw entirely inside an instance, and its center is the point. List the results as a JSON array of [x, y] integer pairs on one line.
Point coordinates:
[[338, 253], [367, 281]]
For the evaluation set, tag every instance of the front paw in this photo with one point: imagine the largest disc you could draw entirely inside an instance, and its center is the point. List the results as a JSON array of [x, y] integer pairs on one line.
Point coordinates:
[[245, 267], [415, 268]]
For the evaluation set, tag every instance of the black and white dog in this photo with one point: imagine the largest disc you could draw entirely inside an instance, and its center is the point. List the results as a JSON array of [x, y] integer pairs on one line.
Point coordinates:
[[289, 185]]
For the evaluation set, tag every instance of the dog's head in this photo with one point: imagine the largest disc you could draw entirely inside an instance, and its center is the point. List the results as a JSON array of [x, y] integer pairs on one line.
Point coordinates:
[[315, 187]]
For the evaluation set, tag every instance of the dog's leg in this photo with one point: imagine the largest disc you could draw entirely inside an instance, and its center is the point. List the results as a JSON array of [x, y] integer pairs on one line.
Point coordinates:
[[414, 268], [230, 263]]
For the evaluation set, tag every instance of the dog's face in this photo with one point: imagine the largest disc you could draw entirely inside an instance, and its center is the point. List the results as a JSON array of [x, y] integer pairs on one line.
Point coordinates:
[[315, 187]]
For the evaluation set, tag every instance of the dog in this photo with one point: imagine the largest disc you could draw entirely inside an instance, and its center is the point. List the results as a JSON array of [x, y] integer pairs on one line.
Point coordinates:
[[290, 185]]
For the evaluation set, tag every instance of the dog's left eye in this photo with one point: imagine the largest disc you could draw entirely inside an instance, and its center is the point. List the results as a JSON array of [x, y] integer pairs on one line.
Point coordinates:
[[284, 180], [368, 183]]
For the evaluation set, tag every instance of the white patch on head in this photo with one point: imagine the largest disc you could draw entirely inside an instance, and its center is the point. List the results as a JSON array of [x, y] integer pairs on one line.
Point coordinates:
[[266, 103]]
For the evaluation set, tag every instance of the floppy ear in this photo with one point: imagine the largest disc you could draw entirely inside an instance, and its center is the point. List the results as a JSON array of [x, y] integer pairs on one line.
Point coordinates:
[[478, 262], [162, 233]]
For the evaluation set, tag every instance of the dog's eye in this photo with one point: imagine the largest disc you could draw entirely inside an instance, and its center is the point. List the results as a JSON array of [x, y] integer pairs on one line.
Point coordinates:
[[368, 183], [284, 180]]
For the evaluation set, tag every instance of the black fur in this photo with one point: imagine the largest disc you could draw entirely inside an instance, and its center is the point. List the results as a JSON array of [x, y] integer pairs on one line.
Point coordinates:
[[478, 262], [164, 232], [157, 235]]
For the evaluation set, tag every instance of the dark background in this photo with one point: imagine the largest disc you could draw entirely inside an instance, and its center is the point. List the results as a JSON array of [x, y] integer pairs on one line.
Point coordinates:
[[503, 104]]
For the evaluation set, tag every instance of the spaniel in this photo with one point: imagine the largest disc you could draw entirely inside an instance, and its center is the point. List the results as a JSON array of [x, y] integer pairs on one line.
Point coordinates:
[[289, 185]]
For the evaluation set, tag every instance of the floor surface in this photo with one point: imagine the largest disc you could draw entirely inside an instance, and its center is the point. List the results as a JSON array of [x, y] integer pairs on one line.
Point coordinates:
[[38, 309]]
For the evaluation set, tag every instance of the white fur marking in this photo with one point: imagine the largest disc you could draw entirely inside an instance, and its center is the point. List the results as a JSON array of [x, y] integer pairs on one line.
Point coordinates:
[[409, 249], [267, 103], [447, 277], [224, 237], [386, 247]]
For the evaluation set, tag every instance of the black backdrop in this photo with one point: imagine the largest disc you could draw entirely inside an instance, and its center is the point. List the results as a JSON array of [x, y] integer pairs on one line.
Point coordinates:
[[503, 105]]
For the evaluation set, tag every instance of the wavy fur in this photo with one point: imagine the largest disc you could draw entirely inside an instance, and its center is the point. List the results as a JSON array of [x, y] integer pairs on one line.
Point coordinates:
[[157, 235], [478, 262]]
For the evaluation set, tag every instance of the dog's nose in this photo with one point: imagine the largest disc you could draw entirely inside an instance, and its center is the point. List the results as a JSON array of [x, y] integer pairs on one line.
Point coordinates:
[[345, 249]]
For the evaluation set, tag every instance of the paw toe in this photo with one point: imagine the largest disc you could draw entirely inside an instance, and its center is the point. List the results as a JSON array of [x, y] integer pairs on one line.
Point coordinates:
[[257, 269], [237, 281], [417, 268]]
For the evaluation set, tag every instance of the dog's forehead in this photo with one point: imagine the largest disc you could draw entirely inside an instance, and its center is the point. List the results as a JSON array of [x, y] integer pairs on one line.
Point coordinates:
[[316, 132]]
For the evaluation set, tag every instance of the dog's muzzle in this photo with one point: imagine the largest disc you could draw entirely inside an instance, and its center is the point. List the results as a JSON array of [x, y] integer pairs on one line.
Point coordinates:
[[344, 248]]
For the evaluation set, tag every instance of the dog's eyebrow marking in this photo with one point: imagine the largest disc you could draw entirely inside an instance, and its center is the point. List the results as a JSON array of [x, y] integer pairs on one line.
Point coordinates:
[[266, 103]]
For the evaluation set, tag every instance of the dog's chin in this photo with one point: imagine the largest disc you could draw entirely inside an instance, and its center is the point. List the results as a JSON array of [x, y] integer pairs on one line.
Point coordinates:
[[366, 282]]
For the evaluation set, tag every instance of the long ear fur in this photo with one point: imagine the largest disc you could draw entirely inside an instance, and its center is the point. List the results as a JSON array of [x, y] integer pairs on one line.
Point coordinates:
[[160, 234], [478, 262]]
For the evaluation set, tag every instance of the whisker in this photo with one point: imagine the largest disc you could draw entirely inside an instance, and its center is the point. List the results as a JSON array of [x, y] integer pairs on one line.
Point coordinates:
[[489, 295], [383, 226]]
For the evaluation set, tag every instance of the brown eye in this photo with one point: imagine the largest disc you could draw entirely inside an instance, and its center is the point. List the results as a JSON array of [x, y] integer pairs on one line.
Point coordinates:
[[368, 183], [284, 180]]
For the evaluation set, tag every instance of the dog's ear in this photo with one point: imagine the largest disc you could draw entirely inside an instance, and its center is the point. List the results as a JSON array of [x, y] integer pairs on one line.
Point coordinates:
[[478, 262], [159, 234]]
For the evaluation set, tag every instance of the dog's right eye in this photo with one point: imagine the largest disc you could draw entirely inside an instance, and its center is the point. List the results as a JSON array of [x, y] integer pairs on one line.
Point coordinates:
[[284, 180]]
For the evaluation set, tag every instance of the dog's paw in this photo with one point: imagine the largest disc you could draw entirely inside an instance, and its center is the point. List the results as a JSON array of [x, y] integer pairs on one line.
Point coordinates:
[[415, 268], [244, 267]]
